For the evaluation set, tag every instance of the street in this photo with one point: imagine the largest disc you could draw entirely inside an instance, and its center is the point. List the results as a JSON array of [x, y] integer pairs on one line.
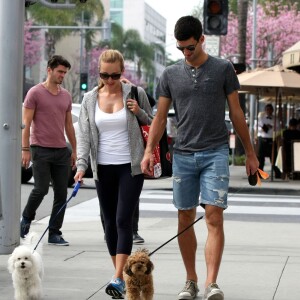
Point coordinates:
[[158, 203]]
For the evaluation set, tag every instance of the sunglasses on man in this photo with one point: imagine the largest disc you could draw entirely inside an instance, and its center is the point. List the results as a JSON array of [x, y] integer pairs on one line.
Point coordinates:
[[189, 47], [114, 76]]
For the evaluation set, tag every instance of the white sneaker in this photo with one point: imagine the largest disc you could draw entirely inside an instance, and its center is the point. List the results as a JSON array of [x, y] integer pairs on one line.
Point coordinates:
[[213, 292], [189, 291]]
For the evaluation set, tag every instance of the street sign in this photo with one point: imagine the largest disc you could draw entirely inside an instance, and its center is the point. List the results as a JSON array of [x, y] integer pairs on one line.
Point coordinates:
[[212, 45]]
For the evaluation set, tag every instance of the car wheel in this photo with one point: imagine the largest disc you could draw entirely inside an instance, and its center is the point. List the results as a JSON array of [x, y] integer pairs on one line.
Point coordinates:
[[26, 174]]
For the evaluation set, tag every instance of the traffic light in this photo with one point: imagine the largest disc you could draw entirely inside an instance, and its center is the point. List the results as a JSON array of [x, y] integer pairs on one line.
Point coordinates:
[[215, 16], [83, 81]]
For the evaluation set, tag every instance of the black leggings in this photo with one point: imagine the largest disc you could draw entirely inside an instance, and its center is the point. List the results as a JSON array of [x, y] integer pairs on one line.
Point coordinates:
[[118, 193]]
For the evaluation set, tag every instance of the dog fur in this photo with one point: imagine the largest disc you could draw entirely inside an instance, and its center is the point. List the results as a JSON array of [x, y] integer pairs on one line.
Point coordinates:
[[26, 267], [138, 276]]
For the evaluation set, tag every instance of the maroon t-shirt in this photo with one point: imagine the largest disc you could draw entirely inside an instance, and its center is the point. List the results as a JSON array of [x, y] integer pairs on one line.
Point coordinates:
[[48, 124]]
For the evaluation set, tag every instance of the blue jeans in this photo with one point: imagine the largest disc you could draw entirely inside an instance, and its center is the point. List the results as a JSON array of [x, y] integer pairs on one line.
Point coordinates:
[[205, 172], [49, 164]]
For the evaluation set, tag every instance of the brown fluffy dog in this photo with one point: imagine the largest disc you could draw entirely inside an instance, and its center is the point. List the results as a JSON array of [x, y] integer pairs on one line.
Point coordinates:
[[138, 276]]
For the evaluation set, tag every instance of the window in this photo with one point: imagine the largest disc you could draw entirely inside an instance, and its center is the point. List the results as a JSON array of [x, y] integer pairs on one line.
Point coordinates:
[[117, 17], [116, 3]]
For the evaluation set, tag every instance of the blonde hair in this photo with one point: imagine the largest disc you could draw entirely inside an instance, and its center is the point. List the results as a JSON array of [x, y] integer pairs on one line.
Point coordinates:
[[110, 56]]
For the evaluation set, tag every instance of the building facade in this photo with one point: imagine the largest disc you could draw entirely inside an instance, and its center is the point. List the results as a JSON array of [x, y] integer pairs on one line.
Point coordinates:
[[152, 27], [130, 14]]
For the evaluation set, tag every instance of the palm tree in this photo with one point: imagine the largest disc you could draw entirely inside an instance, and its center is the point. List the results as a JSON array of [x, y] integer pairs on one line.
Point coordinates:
[[130, 44], [80, 15]]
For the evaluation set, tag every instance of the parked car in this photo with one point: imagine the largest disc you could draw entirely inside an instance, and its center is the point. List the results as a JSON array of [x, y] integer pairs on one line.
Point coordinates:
[[171, 129], [26, 174], [228, 123], [88, 172]]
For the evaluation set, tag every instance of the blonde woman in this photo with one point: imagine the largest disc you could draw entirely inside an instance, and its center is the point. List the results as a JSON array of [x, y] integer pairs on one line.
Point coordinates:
[[109, 130]]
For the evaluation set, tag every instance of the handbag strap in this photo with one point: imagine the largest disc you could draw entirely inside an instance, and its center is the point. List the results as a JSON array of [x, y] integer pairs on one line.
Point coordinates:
[[135, 93]]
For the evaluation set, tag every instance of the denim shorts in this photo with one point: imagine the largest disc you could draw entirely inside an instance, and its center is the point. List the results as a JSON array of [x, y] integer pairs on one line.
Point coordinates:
[[206, 173]]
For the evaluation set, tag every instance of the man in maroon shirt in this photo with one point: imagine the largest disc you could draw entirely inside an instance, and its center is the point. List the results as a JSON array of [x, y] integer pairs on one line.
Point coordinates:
[[46, 116]]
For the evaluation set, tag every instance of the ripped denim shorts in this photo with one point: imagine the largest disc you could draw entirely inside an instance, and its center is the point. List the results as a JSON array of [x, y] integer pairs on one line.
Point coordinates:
[[206, 173]]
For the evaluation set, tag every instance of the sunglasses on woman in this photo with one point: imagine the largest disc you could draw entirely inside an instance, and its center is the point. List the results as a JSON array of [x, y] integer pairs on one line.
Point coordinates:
[[113, 76], [189, 47]]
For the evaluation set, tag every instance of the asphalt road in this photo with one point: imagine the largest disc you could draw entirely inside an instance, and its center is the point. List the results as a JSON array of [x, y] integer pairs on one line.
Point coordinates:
[[85, 193], [158, 203]]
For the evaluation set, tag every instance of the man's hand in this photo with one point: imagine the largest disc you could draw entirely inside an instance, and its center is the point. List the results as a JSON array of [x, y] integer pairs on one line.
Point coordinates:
[[73, 160], [252, 164], [26, 157], [147, 163]]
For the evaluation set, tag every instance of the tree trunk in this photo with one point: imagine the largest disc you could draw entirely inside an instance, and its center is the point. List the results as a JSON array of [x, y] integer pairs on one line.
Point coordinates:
[[242, 23]]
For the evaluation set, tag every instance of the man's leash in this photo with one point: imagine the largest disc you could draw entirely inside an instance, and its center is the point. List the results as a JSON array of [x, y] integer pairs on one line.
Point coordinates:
[[74, 193], [252, 179], [176, 236]]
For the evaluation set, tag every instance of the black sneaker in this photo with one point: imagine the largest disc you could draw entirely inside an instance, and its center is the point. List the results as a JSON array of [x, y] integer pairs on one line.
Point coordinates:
[[137, 239], [57, 240], [24, 227]]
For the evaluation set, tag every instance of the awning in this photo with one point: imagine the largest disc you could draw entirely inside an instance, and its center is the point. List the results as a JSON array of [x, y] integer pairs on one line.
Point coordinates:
[[291, 58]]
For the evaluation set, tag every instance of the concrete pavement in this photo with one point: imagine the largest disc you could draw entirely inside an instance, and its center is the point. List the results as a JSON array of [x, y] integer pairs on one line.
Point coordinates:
[[261, 260]]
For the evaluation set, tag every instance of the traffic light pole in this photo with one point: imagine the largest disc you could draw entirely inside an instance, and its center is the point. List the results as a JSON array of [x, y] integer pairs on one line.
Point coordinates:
[[11, 87], [253, 66]]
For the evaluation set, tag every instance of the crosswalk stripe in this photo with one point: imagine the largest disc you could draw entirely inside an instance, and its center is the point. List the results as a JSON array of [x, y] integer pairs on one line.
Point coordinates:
[[291, 211], [231, 198], [89, 210]]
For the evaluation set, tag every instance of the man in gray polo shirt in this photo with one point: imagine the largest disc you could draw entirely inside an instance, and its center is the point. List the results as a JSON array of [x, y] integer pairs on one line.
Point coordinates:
[[198, 87]]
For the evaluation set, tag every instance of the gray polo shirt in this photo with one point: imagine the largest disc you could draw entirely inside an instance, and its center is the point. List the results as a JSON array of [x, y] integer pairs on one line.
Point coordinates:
[[199, 97]]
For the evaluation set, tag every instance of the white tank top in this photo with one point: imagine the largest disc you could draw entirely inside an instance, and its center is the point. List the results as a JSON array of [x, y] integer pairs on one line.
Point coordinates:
[[113, 148]]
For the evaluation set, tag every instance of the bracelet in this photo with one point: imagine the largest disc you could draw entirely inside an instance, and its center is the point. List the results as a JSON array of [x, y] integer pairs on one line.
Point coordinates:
[[24, 149]]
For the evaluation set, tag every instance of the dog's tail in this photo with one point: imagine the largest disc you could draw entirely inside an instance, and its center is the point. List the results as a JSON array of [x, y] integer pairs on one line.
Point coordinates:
[[31, 240]]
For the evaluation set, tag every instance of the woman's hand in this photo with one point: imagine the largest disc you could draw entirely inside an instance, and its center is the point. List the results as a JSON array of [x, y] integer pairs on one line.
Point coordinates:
[[133, 106], [78, 176]]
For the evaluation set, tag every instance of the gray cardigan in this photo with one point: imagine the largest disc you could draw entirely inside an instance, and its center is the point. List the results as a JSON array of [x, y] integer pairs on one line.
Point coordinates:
[[88, 135]]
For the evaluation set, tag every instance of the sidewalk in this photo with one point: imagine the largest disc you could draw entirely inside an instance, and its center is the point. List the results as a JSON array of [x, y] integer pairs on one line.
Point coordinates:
[[261, 260]]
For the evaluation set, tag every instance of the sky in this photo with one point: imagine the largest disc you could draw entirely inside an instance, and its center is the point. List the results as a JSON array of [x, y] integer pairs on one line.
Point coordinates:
[[172, 10]]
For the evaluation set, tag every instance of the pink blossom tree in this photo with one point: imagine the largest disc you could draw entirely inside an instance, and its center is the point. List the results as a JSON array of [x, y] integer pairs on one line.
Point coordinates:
[[278, 28], [33, 42]]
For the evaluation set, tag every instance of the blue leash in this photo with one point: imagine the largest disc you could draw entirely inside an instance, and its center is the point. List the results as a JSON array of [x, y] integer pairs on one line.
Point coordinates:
[[74, 193]]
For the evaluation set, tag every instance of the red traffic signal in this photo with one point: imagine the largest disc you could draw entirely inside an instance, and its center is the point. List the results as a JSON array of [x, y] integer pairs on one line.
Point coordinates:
[[215, 17]]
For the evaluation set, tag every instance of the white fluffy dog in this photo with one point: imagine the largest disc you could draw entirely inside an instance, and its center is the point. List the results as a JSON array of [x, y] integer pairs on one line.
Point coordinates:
[[26, 267]]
